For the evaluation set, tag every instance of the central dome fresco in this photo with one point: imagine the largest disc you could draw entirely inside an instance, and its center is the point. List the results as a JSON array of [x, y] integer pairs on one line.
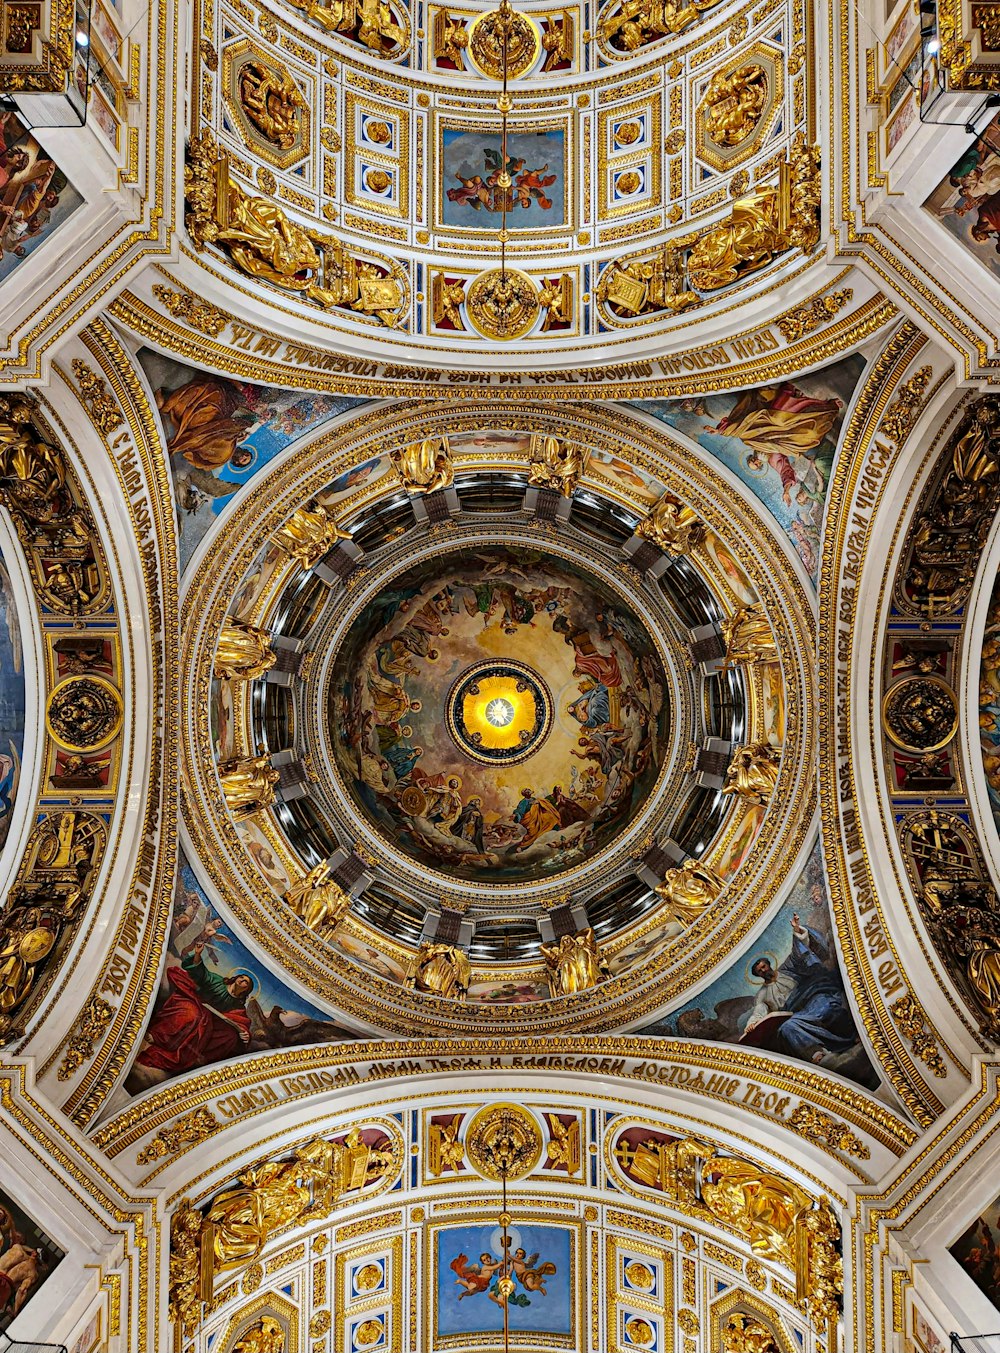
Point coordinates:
[[498, 715]]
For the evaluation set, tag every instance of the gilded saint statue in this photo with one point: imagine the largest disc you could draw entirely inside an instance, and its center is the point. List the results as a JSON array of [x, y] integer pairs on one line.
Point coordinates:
[[763, 224], [555, 464], [734, 103], [425, 467], [749, 239], [248, 784], [689, 890], [440, 970], [575, 963], [634, 23], [272, 101], [241, 1218], [672, 526], [321, 903], [308, 534], [243, 652], [268, 1197], [748, 637], [266, 1336], [753, 772], [265, 243], [760, 1206]]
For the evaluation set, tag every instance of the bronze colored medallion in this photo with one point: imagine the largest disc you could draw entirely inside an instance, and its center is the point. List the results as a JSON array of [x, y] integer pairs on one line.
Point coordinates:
[[920, 713], [84, 712], [503, 1142]]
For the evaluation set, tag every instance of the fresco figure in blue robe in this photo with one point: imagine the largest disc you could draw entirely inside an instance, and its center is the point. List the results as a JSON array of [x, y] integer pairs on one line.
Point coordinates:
[[809, 993]]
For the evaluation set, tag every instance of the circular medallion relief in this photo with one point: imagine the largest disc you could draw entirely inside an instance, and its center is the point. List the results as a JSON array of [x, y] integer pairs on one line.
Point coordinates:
[[464, 667], [84, 713]]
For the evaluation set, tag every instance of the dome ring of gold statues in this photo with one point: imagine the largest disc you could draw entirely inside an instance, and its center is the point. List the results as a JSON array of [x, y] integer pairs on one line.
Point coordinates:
[[689, 892]]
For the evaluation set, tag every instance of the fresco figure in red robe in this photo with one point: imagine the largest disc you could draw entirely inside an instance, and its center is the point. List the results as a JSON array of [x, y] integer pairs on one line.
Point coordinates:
[[202, 1020]]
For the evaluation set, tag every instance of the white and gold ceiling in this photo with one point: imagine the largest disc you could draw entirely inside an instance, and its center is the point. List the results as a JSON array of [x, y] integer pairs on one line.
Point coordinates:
[[410, 710]]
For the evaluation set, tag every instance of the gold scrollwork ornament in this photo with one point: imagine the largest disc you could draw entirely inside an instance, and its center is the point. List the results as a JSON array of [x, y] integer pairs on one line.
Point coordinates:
[[502, 304], [503, 1141]]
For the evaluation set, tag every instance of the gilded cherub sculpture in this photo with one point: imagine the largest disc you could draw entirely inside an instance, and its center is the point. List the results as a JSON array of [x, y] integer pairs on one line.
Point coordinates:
[[272, 101], [733, 103]]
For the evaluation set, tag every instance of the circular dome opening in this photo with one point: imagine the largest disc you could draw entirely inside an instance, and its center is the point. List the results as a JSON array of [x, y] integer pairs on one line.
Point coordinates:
[[498, 714]]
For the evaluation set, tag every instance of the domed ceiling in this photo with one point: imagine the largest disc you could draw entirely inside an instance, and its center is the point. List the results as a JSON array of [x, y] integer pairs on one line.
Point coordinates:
[[499, 713], [495, 716]]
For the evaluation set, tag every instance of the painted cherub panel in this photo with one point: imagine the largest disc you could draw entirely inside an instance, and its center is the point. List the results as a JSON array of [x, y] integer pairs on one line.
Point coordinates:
[[469, 1263], [471, 168]]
